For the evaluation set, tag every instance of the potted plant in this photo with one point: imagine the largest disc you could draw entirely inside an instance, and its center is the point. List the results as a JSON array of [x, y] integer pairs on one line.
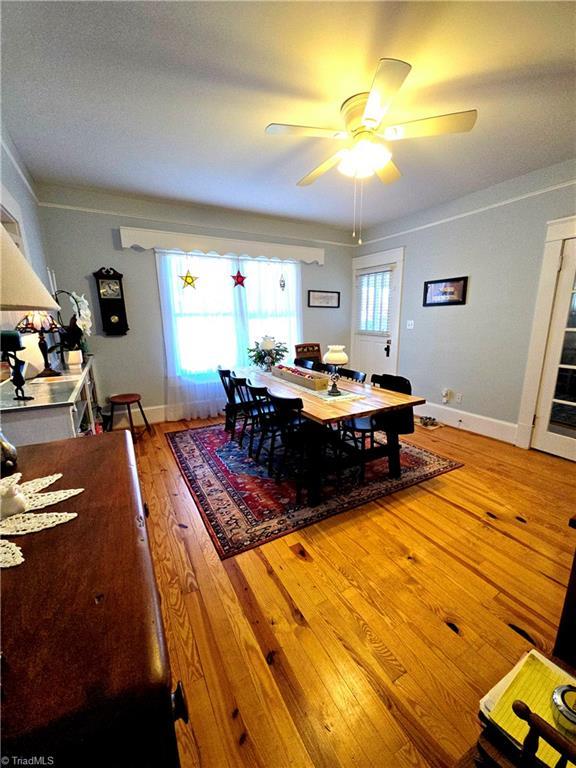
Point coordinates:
[[267, 352]]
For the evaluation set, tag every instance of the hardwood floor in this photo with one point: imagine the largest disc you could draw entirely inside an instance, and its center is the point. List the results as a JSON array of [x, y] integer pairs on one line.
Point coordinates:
[[367, 639]]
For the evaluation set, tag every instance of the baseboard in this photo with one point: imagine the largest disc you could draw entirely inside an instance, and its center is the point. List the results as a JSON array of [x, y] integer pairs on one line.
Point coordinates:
[[155, 414], [471, 422]]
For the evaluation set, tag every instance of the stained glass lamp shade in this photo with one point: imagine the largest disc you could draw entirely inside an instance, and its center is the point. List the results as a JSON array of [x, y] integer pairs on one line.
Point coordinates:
[[40, 323]]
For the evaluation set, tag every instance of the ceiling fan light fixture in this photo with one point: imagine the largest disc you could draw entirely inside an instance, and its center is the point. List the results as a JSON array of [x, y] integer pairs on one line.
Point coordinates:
[[374, 111], [363, 159], [394, 132]]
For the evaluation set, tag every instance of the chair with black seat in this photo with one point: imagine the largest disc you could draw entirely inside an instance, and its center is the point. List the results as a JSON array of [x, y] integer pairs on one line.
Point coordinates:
[[350, 375], [291, 427], [263, 423], [303, 441], [361, 432], [302, 362], [321, 367], [231, 407], [245, 406]]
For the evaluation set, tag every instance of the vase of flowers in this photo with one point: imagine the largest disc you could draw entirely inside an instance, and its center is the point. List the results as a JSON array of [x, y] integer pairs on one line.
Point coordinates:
[[267, 352]]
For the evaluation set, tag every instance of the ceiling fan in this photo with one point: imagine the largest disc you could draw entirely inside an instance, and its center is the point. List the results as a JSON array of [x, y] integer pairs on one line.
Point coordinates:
[[367, 129]]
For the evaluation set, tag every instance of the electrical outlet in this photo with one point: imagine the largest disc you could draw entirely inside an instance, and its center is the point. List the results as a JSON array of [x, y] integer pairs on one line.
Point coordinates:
[[458, 397], [410, 324]]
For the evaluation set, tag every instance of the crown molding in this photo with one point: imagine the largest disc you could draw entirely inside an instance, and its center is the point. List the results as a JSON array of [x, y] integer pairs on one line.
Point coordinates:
[[473, 212], [180, 223], [19, 169]]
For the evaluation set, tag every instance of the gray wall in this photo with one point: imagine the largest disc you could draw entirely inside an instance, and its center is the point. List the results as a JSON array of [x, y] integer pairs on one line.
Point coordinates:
[[29, 224], [78, 242], [479, 349]]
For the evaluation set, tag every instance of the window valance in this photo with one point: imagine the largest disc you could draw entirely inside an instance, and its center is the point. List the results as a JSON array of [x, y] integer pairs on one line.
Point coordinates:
[[206, 244]]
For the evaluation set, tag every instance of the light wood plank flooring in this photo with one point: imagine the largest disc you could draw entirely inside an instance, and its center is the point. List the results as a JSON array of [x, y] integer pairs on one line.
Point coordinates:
[[367, 639]]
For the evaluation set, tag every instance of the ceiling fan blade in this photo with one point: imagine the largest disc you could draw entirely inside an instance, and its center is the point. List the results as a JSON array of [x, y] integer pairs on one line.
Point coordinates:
[[456, 122], [281, 129], [389, 76], [320, 169], [389, 173]]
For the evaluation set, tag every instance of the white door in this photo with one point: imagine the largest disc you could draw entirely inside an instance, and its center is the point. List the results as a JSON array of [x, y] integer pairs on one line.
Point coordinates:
[[555, 425], [377, 284]]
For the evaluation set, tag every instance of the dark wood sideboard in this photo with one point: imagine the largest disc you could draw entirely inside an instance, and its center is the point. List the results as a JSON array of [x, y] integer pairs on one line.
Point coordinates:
[[85, 671]]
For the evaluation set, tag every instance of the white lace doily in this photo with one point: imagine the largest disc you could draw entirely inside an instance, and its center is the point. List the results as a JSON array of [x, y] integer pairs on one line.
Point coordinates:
[[18, 525], [10, 554], [31, 488]]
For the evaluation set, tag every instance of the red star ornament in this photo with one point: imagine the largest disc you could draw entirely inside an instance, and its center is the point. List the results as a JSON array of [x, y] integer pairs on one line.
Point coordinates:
[[238, 279]]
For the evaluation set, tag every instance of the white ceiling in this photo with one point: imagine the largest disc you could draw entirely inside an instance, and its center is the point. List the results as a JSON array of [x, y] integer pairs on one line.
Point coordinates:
[[171, 99]]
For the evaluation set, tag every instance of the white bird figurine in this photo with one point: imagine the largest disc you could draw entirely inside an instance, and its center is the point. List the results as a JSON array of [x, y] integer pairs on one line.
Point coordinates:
[[12, 501]]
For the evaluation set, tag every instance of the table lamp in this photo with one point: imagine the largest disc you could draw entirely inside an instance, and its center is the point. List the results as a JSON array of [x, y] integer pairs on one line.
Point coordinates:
[[335, 356], [40, 323], [20, 289]]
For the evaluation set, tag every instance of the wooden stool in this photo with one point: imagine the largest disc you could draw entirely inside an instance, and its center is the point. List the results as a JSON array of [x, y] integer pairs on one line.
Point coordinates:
[[127, 400]]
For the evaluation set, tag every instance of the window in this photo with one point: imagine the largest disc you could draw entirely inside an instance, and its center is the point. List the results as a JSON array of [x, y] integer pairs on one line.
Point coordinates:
[[215, 321], [373, 302]]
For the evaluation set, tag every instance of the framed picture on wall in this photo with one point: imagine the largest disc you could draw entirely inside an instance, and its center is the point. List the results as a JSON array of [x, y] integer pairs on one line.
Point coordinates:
[[451, 290], [324, 299]]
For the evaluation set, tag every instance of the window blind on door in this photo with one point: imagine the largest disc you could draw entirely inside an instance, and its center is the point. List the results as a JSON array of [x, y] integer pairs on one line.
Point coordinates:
[[373, 301]]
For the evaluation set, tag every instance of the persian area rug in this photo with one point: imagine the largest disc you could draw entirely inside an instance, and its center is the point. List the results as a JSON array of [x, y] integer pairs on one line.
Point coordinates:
[[242, 507]]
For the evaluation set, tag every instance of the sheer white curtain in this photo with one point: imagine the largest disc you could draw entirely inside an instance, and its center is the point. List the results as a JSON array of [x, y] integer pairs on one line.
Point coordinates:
[[213, 323]]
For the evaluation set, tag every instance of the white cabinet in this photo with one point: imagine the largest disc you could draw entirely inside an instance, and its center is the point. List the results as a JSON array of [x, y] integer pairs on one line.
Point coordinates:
[[63, 406]]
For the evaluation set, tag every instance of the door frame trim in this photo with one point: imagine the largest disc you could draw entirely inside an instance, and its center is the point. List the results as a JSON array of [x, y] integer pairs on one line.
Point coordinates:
[[381, 258], [558, 230]]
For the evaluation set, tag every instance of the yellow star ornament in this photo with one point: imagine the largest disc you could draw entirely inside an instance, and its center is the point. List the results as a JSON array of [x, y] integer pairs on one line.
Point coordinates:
[[188, 279]]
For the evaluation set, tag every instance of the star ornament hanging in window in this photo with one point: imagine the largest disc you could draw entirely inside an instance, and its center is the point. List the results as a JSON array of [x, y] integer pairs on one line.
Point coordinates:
[[188, 279], [238, 279]]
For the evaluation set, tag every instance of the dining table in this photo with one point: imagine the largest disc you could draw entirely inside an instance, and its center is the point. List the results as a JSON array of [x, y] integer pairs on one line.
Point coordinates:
[[356, 401]]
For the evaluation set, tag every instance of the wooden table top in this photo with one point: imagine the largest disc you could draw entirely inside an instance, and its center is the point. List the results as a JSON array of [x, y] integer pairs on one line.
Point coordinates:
[[373, 399], [81, 625]]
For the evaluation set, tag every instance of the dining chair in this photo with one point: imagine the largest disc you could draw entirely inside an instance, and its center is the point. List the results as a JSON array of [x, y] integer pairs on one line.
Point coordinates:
[[303, 362], [231, 407], [245, 406], [321, 367], [351, 375], [263, 424], [360, 433], [291, 428]]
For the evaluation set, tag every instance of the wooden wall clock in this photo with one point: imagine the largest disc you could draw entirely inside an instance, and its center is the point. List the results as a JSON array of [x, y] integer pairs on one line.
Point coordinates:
[[111, 300]]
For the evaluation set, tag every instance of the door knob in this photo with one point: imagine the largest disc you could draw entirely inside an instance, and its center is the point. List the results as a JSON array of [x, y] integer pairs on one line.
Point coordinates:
[[387, 348]]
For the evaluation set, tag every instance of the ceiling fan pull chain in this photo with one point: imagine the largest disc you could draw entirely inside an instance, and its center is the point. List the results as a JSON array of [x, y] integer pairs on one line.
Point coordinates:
[[354, 227], [361, 206]]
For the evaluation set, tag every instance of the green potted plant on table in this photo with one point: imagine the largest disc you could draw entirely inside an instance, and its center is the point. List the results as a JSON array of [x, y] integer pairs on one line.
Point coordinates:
[[267, 352]]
